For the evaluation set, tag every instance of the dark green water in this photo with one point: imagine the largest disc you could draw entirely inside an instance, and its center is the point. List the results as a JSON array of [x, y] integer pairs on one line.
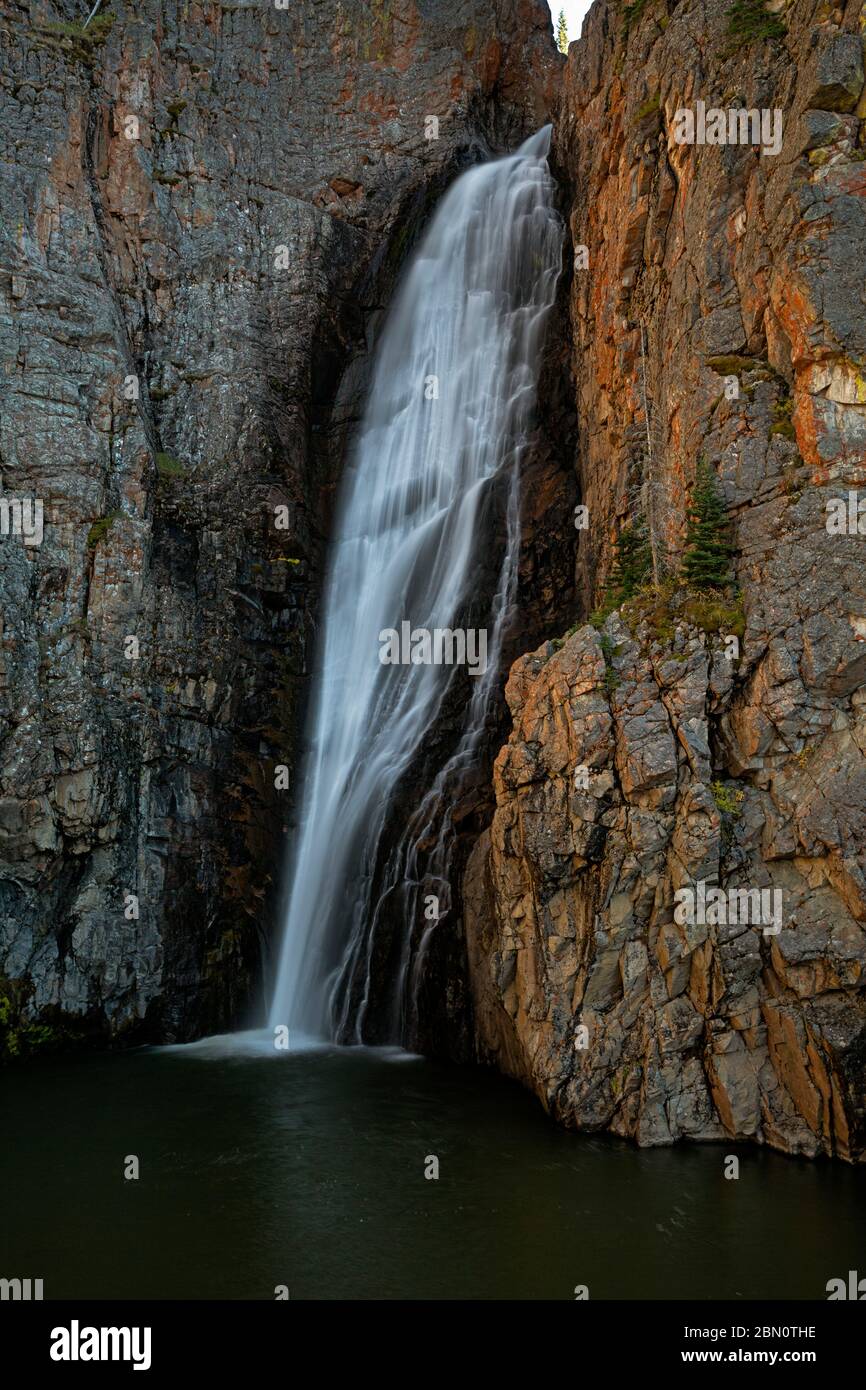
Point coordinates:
[[308, 1171]]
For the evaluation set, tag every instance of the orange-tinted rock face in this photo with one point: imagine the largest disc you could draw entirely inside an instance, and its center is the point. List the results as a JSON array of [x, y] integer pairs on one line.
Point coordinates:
[[202, 207], [725, 289]]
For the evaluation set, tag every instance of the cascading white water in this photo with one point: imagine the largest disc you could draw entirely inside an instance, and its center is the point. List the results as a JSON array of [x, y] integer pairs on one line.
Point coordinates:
[[449, 410]]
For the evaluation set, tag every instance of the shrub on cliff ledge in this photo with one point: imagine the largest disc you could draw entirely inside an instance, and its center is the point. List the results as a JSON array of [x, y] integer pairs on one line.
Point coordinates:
[[707, 560], [631, 569], [727, 798], [661, 608], [631, 15], [79, 39], [633, 561], [749, 21], [19, 1038]]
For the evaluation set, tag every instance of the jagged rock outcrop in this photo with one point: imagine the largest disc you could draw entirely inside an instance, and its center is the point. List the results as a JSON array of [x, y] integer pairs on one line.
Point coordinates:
[[721, 314], [586, 983], [205, 205]]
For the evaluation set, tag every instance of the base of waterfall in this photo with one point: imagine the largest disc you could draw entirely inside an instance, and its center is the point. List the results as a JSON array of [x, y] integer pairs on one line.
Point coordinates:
[[260, 1043]]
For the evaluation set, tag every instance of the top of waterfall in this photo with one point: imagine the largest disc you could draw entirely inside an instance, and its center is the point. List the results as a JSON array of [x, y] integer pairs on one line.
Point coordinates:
[[538, 145]]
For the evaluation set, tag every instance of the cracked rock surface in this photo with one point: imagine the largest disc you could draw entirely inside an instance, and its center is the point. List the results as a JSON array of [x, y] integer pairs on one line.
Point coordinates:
[[724, 293], [205, 206]]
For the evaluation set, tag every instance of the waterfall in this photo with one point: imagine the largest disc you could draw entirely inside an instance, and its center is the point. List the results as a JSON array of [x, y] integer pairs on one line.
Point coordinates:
[[448, 416]]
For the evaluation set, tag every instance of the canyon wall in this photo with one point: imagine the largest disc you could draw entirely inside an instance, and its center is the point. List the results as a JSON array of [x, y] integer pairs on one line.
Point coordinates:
[[205, 207], [719, 311]]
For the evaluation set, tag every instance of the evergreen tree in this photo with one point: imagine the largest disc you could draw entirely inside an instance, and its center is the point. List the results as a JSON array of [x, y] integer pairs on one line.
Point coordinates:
[[562, 33], [707, 558], [632, 561]]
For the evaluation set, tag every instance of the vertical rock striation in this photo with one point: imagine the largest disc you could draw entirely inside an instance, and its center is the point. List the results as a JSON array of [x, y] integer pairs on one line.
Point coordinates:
[[723, 315], [205, 204]]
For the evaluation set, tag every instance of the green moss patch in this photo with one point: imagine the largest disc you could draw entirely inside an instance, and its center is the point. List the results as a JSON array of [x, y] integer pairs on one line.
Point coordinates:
[[100, 529], [72, 37], [648, 107], [782, 422], [169, 467], [662, 608], [732, 364], [20, 1038], [727, 799], [714, 613], [631, 15]]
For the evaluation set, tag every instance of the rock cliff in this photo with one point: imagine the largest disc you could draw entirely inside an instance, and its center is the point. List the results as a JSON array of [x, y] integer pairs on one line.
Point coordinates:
[[717, 311], [205, 207]]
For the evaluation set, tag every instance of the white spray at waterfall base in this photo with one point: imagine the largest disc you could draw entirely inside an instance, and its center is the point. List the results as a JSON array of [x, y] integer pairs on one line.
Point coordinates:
[[449, 411]]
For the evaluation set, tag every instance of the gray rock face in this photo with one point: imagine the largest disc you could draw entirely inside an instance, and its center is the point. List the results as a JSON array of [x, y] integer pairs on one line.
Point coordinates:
[[204, 206], [835, 76]]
